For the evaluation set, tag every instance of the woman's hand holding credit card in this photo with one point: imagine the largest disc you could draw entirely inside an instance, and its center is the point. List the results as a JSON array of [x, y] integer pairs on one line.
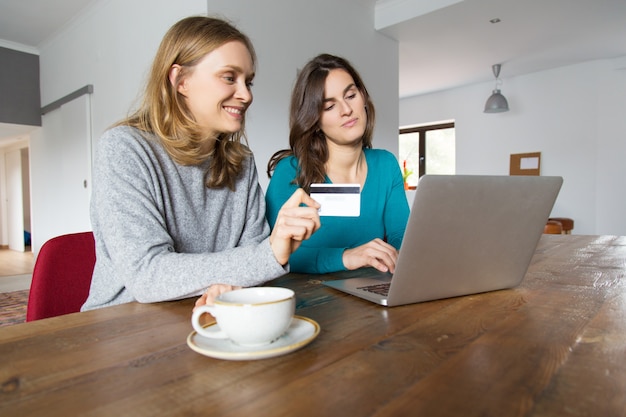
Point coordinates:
[[337, 199]]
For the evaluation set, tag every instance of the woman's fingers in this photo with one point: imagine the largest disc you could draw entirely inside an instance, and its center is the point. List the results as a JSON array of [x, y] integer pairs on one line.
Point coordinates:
[[214, 291], [301, 197], [376, 253], [294, 224]]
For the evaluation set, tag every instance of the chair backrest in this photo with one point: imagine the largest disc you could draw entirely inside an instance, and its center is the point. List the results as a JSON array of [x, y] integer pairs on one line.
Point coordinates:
[[62, 276]]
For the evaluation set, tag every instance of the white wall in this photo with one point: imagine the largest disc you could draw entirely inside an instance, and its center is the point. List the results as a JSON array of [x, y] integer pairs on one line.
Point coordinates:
[[573, 115], [112, 45]]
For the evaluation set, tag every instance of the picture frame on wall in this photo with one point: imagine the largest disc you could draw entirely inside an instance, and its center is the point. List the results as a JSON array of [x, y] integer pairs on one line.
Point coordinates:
[[525, 164]]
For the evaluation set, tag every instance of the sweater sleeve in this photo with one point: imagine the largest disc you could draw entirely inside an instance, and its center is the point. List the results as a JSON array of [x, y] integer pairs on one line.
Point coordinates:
[[317, 260]]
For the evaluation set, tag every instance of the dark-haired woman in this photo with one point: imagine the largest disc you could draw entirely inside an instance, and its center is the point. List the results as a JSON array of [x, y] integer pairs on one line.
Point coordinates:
[[331, 126]]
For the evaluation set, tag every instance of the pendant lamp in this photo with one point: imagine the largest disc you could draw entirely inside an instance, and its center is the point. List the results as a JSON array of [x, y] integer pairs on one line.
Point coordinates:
[[496, 103]]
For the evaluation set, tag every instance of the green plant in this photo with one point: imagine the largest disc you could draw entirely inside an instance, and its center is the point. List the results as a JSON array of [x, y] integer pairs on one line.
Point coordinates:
[[406, 174]]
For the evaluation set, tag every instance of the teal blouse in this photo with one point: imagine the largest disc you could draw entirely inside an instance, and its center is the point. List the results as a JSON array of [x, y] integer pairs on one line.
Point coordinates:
[[384, 214]]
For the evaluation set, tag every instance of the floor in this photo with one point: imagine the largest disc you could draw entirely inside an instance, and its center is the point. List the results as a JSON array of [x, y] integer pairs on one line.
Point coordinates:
[[16, 269]]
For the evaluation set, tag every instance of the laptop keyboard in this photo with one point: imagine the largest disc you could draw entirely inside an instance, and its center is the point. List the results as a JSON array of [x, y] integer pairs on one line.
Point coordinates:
[[380, 289]]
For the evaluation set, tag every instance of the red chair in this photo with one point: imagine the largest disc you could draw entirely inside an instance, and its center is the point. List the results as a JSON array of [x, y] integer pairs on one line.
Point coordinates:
[[62, 276]]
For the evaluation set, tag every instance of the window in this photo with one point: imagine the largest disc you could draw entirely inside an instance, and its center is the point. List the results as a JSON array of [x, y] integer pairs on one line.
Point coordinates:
[[427, 149]]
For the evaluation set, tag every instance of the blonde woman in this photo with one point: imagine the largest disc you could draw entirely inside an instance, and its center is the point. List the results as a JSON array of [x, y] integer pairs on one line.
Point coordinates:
[[176, 209]]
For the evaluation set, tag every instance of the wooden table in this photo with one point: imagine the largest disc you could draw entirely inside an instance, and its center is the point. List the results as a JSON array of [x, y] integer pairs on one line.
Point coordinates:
[[554, 346]]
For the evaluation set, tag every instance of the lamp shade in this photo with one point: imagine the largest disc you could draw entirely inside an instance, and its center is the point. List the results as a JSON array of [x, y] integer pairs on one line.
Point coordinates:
[[496, 103]]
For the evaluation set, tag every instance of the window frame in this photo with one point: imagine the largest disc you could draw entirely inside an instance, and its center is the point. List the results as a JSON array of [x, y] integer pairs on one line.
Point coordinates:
[[422, 130]]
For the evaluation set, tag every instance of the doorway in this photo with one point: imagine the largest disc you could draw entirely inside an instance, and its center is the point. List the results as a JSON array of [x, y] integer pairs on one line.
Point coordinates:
[[16, 208]]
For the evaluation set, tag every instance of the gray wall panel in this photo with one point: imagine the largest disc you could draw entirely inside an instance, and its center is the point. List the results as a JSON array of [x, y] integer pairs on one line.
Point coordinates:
[[20, 101]]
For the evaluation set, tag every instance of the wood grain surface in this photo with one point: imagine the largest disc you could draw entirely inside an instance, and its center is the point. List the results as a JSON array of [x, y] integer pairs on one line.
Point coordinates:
[[554, 346]]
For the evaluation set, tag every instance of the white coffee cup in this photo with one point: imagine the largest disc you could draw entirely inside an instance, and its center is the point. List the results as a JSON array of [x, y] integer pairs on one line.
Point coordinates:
[[253, 316]]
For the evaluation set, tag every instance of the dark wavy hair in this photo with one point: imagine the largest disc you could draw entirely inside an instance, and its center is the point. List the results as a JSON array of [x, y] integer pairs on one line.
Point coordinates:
[[165, 113], [306, 140]]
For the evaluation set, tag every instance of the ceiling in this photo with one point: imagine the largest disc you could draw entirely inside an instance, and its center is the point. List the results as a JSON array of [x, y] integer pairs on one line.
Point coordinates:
[[24, 25], [457, 45], [442, 43]]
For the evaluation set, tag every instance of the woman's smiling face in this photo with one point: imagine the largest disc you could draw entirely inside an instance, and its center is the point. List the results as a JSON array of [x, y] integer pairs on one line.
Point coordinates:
[[217, 89]]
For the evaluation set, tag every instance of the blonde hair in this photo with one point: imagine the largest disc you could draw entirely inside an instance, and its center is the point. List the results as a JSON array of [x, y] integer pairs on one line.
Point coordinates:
[[165, 113]]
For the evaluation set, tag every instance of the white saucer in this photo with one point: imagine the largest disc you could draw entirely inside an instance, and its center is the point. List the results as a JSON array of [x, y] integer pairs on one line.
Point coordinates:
[[300, 333]]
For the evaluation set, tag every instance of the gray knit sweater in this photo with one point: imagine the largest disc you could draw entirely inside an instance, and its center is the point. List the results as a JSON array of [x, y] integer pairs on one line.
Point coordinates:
[[161, 234]]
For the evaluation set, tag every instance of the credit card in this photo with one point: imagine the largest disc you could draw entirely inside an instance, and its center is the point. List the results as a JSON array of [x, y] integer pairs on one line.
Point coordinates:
[[338, 199]]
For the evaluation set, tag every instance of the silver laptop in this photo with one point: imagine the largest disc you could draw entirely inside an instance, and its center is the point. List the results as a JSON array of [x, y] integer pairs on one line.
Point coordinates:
[[466, 234]]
